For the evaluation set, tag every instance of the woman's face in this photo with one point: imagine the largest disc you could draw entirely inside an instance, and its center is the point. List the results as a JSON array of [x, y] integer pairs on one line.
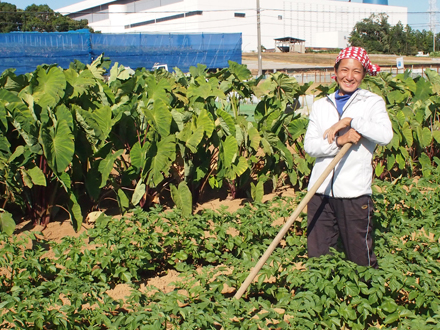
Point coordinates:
[[349, 75]]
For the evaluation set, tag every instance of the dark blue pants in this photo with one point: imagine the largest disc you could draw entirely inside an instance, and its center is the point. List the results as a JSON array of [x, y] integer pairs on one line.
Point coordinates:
[[350, 219]]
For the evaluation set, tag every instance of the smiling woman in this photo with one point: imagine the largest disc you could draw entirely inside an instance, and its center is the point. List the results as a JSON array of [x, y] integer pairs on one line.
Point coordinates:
[[342, 206], [349, 74]]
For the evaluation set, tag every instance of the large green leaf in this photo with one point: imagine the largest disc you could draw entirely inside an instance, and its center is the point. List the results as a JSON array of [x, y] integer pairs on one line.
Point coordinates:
[[424, 136], [50, 88], [137, 156], [436, 136], [394, 141], [240, 134], [302, 165], [75, 212], [161, 159], [106, 165], [266, 146], [63, 113], [4, 144], [396, 96], [400, 116], [410, 84], [205, 89], [227, 122], [195, 139], [66, 182], [179, 119], [159, 117], [407, 133], [37, 176], [93, 181], [400, 161], [200, 70], [423, 91], [229, 150], [391, 160], [205, 121], [98, 67], [7, 223], [257, 191], [185, 133], [81, 83], [379, 170], [7, 97], [25, 124], [87, 122], [434, 78], [286, 154], [293, 177], [103, 118], [139, 192], [106, 95], [239, 168], [426, 164], [254, 138], [123, 201], [157, 89], [182, 197], [58, 145], [297, 127], [240, 71]]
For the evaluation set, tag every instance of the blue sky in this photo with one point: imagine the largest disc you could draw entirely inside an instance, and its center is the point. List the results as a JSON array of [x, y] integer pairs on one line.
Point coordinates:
[[418, 17]]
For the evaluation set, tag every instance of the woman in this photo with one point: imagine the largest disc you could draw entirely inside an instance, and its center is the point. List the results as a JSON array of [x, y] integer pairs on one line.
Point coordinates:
[[342, 206]]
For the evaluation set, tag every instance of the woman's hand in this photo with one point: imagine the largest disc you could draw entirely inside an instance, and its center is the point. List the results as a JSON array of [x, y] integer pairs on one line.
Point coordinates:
[[330, 133], [351, 136]]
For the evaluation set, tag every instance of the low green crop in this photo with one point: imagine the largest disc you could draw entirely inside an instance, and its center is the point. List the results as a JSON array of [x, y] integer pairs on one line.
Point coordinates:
[[213, 253]]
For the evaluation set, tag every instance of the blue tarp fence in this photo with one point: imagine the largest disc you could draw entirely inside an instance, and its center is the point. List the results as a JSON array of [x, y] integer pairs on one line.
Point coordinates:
[[24, 51]]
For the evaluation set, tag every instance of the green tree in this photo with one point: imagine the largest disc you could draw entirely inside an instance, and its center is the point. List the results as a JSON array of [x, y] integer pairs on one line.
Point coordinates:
[[410, 46], [41, 18], [36, 18], [10, 19], [372, 33], [376, 35], [398, 39]]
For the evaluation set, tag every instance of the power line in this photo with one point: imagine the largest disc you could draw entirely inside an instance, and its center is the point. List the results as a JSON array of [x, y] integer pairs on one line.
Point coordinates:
[[342, 10]]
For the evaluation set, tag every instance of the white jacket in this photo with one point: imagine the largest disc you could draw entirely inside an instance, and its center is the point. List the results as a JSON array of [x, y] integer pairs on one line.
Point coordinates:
[[353, 174]]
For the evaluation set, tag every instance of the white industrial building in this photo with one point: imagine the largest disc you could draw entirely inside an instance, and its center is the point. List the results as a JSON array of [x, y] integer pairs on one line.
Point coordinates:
[[320, 23]]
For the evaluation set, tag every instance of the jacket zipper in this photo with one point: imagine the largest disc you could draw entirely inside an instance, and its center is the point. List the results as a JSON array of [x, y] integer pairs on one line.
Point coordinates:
[[340, 116]]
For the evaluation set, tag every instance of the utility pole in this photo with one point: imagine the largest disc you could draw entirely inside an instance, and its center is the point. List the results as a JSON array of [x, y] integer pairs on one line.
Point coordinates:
[[432, 20], [260, 65]]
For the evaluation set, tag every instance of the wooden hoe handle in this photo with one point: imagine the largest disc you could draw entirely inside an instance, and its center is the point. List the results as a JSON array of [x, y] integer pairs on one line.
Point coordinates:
[[290, 221]]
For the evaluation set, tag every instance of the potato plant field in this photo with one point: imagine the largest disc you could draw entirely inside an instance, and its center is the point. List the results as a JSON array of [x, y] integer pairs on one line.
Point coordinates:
[[213, 252], [151, 144]]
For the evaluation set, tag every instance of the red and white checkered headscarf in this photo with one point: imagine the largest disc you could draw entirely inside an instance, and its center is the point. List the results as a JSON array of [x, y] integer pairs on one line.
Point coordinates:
[[361, 55]]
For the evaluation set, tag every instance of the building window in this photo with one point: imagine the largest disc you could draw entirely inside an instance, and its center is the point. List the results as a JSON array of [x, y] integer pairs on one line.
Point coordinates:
[[164, 19], [242, 15], [280, 17]]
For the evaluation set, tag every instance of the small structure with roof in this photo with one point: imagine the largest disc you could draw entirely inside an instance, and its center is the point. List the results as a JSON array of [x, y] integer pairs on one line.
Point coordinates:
[[290, 45]]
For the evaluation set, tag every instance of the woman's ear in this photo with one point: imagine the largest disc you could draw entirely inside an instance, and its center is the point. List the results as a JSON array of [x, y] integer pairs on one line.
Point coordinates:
[[336, 76]]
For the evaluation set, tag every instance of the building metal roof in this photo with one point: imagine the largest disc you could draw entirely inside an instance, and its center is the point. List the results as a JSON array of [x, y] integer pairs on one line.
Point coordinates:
[[289, 39]]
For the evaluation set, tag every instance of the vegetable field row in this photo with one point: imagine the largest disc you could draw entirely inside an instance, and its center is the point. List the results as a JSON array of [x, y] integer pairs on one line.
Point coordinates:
[[213, 253]]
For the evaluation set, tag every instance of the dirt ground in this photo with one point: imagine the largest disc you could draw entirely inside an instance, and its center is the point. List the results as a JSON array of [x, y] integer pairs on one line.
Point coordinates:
[[58, 229]]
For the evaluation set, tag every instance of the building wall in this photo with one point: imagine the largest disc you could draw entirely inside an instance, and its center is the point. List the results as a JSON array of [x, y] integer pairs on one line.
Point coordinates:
[[311, 20]]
